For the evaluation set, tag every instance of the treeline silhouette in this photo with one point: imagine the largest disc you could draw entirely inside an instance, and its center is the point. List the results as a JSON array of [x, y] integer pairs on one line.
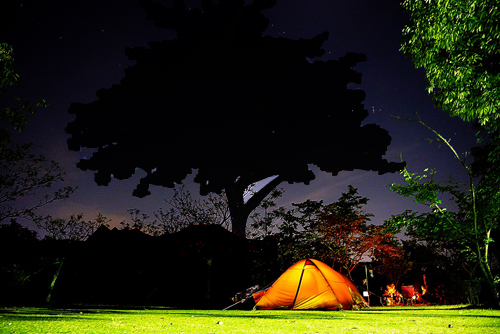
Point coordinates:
[[202, 266]]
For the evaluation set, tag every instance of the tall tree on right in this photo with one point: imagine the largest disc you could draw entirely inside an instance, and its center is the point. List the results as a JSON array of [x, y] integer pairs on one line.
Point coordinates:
[[457, 42], [471, 226]]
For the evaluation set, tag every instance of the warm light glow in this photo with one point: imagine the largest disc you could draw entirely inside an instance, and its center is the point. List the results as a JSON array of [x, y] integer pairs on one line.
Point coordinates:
[[391, 289], [424, 287], [392, 296]]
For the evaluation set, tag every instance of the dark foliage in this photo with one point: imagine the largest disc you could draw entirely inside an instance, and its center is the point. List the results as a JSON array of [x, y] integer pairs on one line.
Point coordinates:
[[202, 266], [232, 103], [14, 117], [26, 265]]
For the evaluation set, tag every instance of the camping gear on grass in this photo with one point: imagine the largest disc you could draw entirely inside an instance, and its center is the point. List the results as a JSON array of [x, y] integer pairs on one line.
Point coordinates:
[[310, 284], [245, 298]]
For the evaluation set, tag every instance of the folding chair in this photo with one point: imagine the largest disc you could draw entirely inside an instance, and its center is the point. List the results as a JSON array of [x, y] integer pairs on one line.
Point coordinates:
[[408, 293]]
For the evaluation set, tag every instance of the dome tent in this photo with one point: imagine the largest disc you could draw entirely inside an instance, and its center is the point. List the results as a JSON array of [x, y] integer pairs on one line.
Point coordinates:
[[310, 284]]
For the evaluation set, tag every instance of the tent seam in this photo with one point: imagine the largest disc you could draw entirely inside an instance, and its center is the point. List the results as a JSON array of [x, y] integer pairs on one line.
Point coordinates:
[[300, 283]]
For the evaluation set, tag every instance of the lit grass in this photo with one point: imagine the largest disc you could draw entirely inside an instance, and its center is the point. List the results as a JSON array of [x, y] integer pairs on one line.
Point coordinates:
[[443, 319]]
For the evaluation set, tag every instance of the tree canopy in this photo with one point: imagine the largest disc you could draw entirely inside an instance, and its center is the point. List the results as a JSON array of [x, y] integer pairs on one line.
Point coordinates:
[[457, 42], [236, 105], [23, 175], [337, 233]]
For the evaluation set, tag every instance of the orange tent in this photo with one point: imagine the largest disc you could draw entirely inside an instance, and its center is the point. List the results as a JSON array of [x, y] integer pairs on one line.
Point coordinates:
[[309, 284]]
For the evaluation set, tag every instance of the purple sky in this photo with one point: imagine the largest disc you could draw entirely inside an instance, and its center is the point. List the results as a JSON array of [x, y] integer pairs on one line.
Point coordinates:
[[67, 50]]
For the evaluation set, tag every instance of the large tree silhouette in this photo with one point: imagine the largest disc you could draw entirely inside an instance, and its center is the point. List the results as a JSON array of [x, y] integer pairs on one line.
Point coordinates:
[[232, 103]]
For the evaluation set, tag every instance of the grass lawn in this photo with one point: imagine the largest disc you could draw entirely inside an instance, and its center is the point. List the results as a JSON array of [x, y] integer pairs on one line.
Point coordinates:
[[440, 319]]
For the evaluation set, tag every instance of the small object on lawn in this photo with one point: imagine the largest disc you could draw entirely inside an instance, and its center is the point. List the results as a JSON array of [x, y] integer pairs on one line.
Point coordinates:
[[219, 322], [450, 326]]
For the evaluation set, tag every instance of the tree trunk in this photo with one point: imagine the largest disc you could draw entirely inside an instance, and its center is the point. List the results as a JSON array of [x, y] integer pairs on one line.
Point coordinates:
[[239, 209], [208, 293], [54, 279], [239, 223], [493, 300]]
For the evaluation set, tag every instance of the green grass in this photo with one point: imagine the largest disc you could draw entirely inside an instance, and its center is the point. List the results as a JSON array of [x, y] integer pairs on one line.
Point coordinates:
[[441, 319]]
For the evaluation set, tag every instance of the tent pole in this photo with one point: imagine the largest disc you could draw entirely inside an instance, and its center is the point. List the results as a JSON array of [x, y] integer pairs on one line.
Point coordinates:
[[227, 308], [367, 289], [300, 282]]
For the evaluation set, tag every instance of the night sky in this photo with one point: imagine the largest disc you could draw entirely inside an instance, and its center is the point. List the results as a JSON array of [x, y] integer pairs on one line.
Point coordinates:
[[65, 51]]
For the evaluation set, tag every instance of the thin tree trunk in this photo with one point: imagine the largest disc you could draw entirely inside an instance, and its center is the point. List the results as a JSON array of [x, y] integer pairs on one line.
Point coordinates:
[[493, 299], [54, 279], [208, 294]]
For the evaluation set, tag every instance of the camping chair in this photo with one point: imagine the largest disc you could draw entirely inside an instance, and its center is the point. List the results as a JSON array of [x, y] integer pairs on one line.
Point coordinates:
[[408, 293]]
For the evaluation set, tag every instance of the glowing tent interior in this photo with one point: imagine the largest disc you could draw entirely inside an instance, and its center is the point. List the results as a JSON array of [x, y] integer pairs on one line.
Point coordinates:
[[310, 284]]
